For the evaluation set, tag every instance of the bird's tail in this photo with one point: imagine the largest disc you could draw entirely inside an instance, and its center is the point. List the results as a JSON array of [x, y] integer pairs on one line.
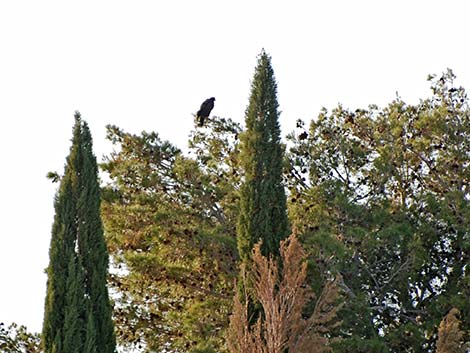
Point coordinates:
[[200, 121]]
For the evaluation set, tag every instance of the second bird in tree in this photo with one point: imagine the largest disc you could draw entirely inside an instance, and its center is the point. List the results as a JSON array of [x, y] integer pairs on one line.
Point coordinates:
[[205, 110]]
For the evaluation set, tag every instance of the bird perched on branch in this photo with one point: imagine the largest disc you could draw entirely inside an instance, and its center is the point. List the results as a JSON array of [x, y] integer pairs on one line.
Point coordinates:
[[205, 110]]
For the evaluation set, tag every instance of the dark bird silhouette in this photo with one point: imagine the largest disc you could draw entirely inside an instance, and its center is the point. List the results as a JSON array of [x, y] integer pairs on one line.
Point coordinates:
[[303, 135], [205, 110]]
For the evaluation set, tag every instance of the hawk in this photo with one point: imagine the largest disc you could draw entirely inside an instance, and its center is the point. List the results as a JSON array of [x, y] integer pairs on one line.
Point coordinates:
[[205, 110]]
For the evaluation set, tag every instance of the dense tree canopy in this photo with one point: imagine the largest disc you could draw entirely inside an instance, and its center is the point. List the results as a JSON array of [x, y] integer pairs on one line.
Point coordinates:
[[170, 227], [382, 197], [379, 198]]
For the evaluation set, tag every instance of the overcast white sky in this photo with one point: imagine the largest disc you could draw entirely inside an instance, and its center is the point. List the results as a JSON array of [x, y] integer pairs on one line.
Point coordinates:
[[147, 65]]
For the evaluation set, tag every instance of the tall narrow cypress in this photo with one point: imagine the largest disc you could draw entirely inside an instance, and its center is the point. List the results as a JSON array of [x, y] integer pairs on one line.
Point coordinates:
[[77, 308], [263, 211], [74, 308]]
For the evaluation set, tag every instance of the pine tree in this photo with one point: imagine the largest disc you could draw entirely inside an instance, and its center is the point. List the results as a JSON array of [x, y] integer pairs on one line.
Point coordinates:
[[263, 214], [385, 204], [77, 308], [170, 222], [16, 338]]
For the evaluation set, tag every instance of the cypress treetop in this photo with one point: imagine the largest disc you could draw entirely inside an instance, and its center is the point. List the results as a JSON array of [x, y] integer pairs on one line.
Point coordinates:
[[263, 212]]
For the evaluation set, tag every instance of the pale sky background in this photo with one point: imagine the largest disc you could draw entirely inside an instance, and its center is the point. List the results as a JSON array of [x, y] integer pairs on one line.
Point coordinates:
[[148, 65]]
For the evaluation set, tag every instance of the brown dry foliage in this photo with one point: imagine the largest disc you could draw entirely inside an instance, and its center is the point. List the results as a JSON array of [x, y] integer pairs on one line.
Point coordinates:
[[449, 334], [283, 295]]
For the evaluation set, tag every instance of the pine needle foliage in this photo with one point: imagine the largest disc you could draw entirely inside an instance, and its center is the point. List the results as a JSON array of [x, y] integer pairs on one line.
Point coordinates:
[[170, 224], [16, 338], [382, 196]]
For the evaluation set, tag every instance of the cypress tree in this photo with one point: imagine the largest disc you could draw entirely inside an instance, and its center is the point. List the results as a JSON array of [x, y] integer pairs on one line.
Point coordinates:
[[263, 211], [77, 308], [74, 308], [92, 248]]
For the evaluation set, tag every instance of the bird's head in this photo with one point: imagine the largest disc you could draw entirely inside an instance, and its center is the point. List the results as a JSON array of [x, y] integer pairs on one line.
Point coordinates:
[[212, 99]]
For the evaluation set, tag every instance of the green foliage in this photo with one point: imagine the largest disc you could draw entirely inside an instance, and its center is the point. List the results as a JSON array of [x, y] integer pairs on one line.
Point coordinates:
[[17, 339], [378, 196], [74, 310], [263, 214], [389, 188], [169, 222], [76, 287]]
